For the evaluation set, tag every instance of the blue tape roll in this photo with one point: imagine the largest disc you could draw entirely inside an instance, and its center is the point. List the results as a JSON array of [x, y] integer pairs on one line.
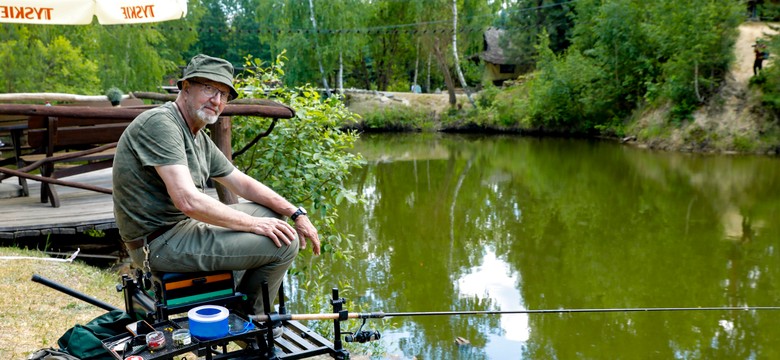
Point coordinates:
[[208, 322]]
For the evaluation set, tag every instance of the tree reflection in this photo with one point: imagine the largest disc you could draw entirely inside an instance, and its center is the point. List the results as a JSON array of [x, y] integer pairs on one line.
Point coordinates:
[[583, 224]]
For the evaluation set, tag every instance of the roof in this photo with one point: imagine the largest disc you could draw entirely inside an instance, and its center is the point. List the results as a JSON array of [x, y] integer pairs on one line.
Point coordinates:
[[493, 53]]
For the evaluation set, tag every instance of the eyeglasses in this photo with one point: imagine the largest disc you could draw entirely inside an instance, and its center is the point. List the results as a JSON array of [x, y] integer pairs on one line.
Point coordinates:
[[212, 91]]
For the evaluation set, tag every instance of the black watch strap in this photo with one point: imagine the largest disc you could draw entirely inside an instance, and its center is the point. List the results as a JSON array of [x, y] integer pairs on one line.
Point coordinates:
[[298, 212]]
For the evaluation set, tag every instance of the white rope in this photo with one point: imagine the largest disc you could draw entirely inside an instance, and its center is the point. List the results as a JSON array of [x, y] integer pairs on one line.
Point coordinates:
[[70, 259]]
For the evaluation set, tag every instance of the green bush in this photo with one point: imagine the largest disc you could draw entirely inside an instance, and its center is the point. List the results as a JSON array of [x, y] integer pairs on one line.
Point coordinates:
[[306, 159], [398, 118], [487, 96]]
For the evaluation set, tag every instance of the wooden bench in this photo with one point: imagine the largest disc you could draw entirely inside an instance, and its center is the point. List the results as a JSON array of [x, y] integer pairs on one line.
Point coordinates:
[[12, 128], [68, 146], [75, 140]]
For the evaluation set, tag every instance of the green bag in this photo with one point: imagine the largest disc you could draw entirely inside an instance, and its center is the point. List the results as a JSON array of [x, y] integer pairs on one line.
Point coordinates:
[[85, 341], [51, 354]]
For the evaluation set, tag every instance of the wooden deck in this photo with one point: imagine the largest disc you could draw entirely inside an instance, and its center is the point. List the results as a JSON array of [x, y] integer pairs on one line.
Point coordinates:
[[80, 210]]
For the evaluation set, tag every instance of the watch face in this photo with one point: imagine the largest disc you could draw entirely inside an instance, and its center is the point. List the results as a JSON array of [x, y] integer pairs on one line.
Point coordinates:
[[299, 212]]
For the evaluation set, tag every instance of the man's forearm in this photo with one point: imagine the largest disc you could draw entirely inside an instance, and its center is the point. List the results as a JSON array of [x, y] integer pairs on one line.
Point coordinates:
[[204, 208], [253, 190]]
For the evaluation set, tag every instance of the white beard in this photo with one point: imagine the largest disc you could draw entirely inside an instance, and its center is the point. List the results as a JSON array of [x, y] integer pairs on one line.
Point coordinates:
[[209, 119]]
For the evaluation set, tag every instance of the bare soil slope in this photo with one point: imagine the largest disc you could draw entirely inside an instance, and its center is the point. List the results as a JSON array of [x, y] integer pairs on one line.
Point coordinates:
[[748, 34]]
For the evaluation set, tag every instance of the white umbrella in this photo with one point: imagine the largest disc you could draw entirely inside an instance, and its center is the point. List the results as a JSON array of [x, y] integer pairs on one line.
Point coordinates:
[[80, 12]]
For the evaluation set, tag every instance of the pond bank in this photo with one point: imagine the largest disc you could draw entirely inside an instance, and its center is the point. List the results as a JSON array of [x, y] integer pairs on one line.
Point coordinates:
[[732, 123]]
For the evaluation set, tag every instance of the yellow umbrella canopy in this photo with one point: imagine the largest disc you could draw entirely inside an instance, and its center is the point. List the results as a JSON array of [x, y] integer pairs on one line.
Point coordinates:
[[81, 12]]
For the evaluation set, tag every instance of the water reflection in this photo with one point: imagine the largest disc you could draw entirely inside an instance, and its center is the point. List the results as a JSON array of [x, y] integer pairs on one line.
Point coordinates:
[[494, 279], [454, 223]]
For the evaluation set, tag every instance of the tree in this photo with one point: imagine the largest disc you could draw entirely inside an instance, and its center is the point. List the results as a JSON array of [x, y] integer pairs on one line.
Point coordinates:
[[455, 49], [243, 38], [212, 37], [129, 58], [38, 59], [527, 19], [313, 19]]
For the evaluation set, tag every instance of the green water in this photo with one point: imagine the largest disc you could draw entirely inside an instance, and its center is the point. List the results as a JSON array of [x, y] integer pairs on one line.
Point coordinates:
[[456, 223]]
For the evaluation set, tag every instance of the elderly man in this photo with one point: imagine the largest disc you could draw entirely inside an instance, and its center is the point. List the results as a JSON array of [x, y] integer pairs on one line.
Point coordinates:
[[164, 216]]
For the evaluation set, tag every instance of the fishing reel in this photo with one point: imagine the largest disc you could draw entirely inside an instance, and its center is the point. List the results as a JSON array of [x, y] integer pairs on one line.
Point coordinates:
[[363, 336]]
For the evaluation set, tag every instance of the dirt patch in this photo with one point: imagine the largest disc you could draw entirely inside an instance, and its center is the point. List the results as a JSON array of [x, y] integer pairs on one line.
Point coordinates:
[[363, 102]]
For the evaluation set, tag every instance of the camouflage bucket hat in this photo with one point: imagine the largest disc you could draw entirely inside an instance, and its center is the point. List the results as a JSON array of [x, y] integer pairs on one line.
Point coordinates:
[[214, 69]]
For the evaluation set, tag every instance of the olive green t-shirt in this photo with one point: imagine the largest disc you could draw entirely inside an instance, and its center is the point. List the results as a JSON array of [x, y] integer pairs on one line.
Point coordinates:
[[157, 137]]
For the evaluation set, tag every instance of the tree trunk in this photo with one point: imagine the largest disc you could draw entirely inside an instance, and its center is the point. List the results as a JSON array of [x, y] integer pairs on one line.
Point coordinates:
[[445, 71], [317, 47], [366, 75], [455, 51], [341, 74], [416, 65], [428, 80]]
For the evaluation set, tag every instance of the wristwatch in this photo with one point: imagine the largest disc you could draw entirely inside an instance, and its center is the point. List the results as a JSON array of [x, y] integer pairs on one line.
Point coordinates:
[[300, 211]]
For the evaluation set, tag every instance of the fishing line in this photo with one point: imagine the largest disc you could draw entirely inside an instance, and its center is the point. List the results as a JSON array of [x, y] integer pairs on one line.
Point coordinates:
[[381, 315]]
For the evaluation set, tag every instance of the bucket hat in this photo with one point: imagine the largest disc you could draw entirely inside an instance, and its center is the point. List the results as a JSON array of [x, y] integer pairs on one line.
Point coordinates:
[[212, 68]]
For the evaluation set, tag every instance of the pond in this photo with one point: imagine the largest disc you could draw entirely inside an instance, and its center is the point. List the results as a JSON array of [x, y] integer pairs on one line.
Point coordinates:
[[478, 223]]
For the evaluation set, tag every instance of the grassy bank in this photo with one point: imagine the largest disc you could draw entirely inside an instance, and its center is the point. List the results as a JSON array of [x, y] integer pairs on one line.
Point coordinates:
[[735, 121], [35, 316]]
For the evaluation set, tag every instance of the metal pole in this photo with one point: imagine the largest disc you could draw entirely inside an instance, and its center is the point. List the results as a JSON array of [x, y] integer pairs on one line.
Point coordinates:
[[74, 293]]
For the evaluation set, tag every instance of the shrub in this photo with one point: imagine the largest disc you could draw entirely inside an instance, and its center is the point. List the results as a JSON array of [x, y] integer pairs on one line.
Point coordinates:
[[306, 159]]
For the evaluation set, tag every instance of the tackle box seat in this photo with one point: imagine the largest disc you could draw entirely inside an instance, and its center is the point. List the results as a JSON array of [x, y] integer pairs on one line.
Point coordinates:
[[176, 293]]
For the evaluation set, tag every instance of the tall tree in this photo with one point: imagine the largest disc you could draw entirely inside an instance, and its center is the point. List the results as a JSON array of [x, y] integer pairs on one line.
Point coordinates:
[[40, 59], [313, 19], [211, 29], [455, 46], [243, 38], [527, 19], [129, 58]]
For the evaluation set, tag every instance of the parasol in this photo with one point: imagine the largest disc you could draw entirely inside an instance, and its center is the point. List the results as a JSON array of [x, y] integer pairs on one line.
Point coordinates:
[[81, 12]]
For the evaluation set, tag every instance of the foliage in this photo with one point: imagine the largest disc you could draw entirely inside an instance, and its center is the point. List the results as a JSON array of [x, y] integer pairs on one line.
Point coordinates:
[[306, 159], [86, 59], [768, 11], [627, 53], [473, 72], [128, 57], [559, 94], [212, 39], [32, 62], [527, 19], [487, 96], [768, 80], [397, 118]]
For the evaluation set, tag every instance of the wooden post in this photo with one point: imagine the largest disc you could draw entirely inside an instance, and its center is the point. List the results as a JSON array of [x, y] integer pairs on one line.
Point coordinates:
[[220, 133]]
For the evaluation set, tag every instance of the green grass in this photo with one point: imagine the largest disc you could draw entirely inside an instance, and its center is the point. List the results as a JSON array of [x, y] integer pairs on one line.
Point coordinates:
[[34, 315]]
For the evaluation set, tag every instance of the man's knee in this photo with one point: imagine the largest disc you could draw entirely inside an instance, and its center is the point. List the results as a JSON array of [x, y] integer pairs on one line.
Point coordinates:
[[294, 247]]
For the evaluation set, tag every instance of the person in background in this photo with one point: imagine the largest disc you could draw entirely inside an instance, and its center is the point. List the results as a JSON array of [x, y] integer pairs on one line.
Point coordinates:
[[162, 163], [759, 51]]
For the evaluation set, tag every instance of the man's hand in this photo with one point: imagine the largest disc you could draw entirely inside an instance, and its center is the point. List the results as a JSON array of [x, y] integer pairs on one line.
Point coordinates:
[[279, 231], [306, 230]]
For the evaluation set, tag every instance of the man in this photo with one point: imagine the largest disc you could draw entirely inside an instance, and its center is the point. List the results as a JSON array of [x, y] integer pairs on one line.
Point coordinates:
[[760, 55], [164, 216]]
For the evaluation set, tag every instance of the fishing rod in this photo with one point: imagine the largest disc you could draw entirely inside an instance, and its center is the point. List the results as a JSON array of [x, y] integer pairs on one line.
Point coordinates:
[[381, 315]]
